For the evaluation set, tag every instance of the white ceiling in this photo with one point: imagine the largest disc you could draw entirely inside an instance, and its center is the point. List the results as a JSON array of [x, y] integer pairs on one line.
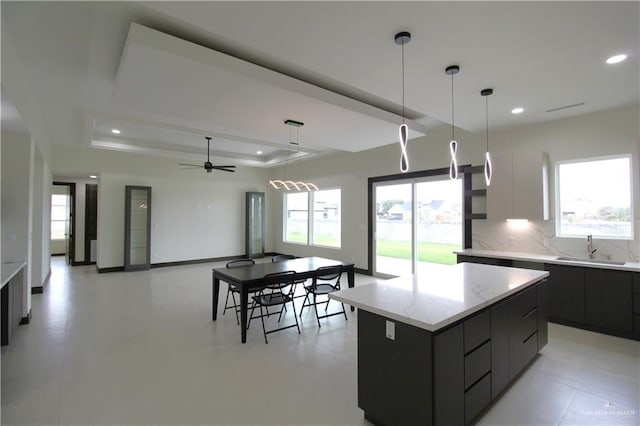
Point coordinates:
[[168, 73]]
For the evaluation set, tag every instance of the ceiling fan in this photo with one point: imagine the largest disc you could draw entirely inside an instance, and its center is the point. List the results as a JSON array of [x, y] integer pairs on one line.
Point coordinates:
[[207, 165]]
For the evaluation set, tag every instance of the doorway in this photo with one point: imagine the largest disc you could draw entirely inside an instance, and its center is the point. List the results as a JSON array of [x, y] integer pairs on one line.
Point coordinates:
[[63, 196], [416, 220]]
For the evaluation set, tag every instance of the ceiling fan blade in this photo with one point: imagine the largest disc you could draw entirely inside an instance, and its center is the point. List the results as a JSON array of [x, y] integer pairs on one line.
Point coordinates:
[[192, 165], [226, 167], [223, 169]]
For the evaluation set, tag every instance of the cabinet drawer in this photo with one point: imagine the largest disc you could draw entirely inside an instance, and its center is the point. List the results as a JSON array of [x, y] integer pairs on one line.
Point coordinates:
[[529, 324], [526, 301], [477, 330], [636, 283], [529, 348], [477, 364], [636, 303], [476, 398]]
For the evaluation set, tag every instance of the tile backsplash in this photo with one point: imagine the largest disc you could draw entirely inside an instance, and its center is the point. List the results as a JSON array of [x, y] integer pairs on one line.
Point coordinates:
[[539, 237]]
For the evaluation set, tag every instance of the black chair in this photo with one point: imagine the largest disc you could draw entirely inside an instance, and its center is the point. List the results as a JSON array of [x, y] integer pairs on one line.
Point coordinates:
[[277, 290], [326, 280], [282, 257], [233, 291]]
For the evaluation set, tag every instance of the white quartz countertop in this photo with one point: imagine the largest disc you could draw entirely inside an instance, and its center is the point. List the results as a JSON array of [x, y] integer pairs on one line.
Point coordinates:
[[544, 258], [10, 269], [441, 295]]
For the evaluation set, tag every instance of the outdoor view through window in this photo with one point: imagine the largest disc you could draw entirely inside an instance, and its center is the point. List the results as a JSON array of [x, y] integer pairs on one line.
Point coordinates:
[[432, 218], [594, 197]]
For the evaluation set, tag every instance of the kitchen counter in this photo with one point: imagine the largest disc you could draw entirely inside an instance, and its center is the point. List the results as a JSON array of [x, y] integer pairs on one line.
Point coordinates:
[[437, 348], [442, 295], [10, 269], [543, 258]]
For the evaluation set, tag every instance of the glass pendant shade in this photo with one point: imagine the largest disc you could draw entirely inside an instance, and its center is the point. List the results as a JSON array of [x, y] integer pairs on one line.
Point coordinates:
[[453, 166], [403, 38], [488, 170], [453, 145], [404, 157]]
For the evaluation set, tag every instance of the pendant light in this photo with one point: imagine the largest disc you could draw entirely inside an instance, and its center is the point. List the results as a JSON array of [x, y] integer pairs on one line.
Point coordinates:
[[403, 38], [488, 170], [453, 144], [289, 184]]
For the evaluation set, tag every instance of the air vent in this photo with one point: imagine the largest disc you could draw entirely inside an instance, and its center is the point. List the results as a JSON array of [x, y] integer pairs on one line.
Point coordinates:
[[566, 107]]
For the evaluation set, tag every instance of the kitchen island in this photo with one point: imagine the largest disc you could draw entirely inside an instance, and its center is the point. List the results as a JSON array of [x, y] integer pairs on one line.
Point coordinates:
[[437, 348]]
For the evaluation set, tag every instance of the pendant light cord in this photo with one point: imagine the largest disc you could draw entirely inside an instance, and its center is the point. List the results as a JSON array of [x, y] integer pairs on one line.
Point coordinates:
[[402, 82], [452, 108], [486, 99], [299, 159]]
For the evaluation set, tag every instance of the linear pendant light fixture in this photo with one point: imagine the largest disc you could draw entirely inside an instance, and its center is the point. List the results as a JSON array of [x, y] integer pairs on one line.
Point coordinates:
[[289, 184], [453, 144], [403, 38], [488, 170]]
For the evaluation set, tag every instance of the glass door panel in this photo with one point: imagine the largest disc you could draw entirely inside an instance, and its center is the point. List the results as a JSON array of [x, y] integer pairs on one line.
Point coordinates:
[[255, 229], [393, 243], [137, 228], [439, 221]]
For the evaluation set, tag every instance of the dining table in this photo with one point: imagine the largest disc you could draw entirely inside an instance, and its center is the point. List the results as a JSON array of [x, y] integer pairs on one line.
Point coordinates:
[[248, 279]]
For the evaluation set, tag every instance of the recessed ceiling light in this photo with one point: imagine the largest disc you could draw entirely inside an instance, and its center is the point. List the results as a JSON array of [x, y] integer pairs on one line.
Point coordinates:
[[259, 152], [517, 110], [115, 131], [617, 58], [93, 177]]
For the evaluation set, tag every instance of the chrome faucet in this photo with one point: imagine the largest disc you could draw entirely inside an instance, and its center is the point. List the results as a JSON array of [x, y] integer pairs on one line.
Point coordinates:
[[590, 249]]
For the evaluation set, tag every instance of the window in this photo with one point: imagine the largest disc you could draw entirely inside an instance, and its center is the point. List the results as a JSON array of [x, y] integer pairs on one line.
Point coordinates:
[[58, 216], [594, 197], [315, 214]]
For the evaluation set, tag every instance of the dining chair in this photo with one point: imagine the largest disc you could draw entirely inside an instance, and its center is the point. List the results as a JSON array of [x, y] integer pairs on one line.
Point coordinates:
[[232, 290], [282, 258], [326, 280], [277, 289]]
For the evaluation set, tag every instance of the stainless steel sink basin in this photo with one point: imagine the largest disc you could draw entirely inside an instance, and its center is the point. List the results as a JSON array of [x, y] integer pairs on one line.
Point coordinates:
[[601, 261]]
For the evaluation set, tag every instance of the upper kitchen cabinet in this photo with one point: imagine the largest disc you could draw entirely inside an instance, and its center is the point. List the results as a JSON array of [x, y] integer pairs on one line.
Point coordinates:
[[520, 187]]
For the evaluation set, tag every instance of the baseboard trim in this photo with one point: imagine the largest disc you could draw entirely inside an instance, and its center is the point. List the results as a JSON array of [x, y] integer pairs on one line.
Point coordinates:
[[82, 263], [362, 271], [26, 319], [58, 254], [37, 290], [110, 269]]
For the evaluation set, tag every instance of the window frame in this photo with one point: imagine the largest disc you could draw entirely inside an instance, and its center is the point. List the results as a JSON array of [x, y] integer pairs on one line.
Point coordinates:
[[310, 219], [557, 200]]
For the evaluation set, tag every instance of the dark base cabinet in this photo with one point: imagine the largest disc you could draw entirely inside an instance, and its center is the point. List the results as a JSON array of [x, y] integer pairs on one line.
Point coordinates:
[[566, 293], [608, 299], [11, 307], [450, 376]]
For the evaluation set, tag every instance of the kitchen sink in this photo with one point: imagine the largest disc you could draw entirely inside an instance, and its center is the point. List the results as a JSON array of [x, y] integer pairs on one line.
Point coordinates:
[[601, 261]]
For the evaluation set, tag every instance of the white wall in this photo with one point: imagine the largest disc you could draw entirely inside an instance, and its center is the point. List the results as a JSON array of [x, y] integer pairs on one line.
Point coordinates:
[[605, 133], [16, 151], [195, 215]]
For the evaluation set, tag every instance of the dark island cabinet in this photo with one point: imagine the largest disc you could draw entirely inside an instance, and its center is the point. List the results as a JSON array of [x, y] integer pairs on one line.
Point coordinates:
[[448, 377], [608, 299]]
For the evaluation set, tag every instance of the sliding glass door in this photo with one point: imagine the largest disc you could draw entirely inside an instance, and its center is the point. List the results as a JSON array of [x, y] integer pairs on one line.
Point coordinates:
[[417, 221]]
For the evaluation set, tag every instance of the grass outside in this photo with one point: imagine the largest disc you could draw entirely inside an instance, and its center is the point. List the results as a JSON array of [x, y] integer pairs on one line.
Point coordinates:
[[427, 252], [321, 240]]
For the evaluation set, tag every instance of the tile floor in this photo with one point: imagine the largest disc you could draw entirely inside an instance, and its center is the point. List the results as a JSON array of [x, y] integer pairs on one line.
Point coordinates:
[[140, 349]]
